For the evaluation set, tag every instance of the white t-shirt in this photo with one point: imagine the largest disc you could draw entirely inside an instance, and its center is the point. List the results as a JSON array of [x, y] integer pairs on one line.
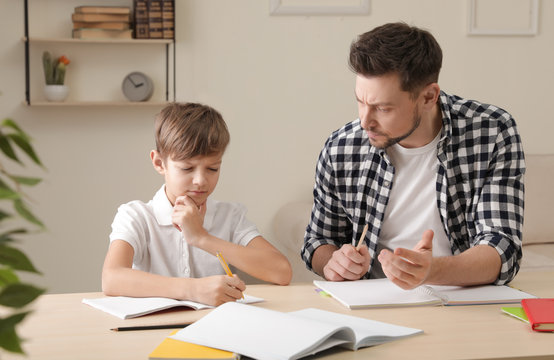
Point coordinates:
[[160, 248], [412, 206]]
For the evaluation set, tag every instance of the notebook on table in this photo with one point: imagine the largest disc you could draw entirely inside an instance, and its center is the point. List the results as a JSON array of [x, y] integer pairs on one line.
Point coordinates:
[[384, 293], [125, 307], [261, 333]]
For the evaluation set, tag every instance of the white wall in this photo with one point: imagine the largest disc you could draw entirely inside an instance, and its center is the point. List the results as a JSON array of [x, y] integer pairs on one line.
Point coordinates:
[[281, 83]]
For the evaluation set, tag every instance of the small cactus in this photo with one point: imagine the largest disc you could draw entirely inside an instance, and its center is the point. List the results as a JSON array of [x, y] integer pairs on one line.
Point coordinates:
[[54, 71]]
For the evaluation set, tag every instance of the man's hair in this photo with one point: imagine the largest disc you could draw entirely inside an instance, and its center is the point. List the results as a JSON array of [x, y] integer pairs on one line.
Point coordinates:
[[186, 130], [412, 53]]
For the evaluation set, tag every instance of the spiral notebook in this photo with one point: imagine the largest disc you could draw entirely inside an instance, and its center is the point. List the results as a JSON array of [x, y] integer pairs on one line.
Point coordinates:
[[384, 293]]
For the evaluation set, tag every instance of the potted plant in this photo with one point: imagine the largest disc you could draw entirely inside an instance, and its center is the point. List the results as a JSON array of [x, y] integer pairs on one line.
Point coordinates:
[[14, 294], [54, 75]]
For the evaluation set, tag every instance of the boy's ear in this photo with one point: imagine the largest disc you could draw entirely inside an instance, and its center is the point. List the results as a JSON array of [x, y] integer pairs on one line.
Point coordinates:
[[157, 161]]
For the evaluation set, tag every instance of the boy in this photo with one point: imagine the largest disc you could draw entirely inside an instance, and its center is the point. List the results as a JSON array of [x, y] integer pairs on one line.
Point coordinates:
[[167, 247]]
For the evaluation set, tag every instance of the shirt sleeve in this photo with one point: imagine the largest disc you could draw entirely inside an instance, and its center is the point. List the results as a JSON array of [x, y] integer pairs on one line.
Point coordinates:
[[329, 224], [499, 215], [127, 227], [245, 230]]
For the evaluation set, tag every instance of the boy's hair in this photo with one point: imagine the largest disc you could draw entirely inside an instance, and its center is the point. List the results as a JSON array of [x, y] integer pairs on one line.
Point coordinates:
[[411, 52], [186, 130]]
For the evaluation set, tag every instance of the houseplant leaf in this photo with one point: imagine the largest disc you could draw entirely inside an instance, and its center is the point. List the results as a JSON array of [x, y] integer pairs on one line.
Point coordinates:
[[16, 259], [8, 336], [23, 143], [18, 295], [22, 210]]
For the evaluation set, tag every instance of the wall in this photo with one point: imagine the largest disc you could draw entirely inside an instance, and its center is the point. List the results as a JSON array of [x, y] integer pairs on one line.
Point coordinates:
[[281, 82]]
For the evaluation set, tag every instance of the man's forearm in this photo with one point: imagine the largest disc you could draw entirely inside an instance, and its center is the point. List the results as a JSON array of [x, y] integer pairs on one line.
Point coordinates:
[[321, 257], [478, 265]]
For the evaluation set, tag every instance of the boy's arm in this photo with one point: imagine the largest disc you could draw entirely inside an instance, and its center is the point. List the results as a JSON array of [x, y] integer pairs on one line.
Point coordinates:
[[120, 279], [259, 258]]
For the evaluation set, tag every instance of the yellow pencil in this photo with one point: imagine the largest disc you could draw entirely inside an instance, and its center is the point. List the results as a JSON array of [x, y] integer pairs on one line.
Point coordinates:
[[361, 241], [224, 265]]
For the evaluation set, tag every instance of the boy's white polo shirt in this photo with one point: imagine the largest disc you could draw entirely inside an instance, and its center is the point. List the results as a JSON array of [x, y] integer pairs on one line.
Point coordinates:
[[160, 248]]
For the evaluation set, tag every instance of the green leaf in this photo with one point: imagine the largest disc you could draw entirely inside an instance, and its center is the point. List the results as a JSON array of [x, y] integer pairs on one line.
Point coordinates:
[[7, 276], [11, 124], [7, 192], [23, 180], [4, 215], [8, 337], [18, 295], [16, 259], [8, 234], [23, 142], [22, 210], [7, 148]]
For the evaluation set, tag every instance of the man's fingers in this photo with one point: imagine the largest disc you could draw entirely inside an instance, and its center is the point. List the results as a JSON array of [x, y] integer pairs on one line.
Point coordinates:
[[426, 242]]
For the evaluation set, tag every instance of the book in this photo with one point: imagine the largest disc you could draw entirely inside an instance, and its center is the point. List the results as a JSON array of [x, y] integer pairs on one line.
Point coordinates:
[[113, 25], [168, 19], [181, 350], [267, 334], [99, 17], [155, 25], [384, 293], [540, 313], [516, 312], [141, 19], [85, 33], [125, 307], [102, 10]]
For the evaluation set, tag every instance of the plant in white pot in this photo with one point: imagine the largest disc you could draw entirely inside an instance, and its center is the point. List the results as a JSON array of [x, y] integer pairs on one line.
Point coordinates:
[[54, 75]]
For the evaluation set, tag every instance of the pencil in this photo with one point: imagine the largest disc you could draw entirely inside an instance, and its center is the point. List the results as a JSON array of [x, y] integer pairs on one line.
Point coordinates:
[[150, 327], [224, 265], [361, 241]]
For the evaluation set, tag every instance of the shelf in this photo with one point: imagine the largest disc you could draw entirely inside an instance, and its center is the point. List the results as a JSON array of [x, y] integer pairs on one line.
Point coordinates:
[[38, 42], [95, 103], [97, 41]]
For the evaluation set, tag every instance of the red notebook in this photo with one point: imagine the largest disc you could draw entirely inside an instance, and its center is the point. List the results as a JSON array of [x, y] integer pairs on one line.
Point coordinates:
[[540, 313]]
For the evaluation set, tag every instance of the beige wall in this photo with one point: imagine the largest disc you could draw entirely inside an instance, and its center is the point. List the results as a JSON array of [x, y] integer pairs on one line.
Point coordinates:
[[283, 85]]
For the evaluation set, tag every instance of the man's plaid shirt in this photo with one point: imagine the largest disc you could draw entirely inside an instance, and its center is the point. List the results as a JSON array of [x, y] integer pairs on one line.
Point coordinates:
[[480, 190]]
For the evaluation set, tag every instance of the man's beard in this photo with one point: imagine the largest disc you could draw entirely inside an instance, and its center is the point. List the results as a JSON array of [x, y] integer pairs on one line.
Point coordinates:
[[391, 141]]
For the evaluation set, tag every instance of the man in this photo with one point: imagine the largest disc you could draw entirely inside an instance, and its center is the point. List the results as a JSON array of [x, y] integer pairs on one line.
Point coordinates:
[[437, 179]]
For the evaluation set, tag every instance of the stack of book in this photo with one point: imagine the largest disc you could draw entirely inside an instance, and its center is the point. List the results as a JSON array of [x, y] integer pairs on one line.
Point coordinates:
[[102, 22], [154, 19]]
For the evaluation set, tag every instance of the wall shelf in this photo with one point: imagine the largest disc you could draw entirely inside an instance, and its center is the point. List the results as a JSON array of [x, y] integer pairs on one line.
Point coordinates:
[[95, 103], [97, 41], [168, 44]]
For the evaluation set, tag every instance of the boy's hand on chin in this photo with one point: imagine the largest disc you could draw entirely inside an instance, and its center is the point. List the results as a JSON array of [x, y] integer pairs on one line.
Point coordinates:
[[188, 218]]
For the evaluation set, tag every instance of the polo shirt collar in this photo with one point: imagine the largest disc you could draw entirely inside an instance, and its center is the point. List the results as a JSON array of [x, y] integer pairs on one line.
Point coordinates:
[[162, 207]]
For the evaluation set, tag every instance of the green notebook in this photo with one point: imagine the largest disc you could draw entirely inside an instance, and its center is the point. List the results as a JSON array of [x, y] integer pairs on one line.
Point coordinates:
[[516, 312]]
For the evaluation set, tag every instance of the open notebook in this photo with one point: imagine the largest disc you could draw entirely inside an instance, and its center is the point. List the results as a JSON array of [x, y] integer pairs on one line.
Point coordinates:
[[130, 307], [272, 335], [384, 293]]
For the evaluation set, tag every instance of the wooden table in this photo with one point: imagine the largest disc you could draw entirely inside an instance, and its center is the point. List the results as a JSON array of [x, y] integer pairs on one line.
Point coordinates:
[[64, 328]]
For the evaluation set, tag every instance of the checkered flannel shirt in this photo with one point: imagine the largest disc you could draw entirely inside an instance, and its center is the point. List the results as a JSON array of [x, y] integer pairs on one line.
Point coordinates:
[[480, 191]]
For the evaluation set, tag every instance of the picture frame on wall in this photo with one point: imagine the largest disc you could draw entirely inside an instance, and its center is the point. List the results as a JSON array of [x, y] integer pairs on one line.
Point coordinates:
[[319, 7], [503, 17]]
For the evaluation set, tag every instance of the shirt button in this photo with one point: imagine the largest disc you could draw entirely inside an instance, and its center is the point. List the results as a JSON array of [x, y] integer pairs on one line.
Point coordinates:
[[386, 183]]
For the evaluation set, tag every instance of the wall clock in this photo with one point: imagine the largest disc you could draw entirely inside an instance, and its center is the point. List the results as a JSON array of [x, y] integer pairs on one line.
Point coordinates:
[[137, 86]]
